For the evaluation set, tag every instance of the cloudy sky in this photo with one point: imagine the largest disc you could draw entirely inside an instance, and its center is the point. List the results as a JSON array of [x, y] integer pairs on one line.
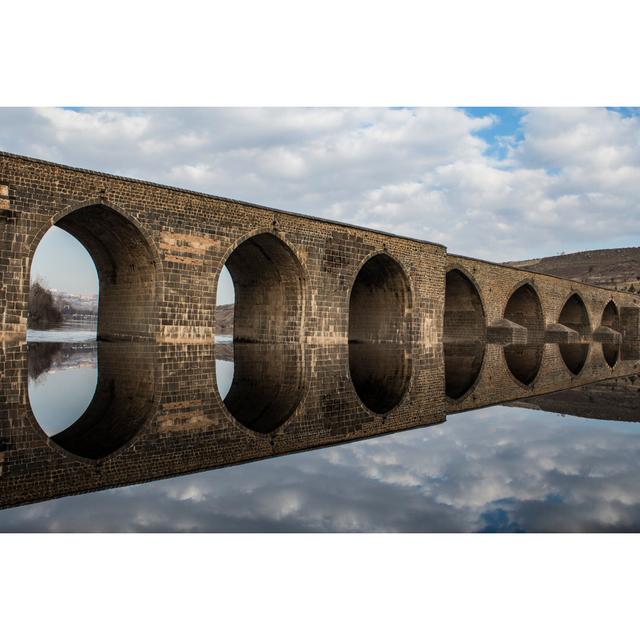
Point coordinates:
[[493, 183]]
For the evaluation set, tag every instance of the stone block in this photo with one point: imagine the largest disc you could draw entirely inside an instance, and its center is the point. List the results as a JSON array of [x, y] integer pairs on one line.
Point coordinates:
[[561, 334], [630, 322], [607, 335], [506, 332]]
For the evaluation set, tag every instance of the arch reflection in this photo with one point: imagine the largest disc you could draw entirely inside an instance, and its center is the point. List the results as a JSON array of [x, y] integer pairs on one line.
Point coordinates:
[[462, 365], [267, 383], [574, 356], [524, 361], [379, 362], [525, 309], [266, 358], [611, 353], [464, 334], [123, 399]]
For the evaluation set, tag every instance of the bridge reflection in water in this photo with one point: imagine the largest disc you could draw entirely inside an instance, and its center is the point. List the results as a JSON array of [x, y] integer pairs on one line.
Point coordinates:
[[158, 410]]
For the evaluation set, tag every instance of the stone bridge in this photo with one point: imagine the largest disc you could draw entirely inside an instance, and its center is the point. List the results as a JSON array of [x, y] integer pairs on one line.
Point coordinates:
[[339, 332]]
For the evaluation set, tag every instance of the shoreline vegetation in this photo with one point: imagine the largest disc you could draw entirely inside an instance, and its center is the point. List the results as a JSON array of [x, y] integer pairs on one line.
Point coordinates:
[[48, 310], [43, 310]]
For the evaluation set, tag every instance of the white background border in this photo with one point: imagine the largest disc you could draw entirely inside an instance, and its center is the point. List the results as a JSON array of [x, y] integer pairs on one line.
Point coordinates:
[[504, 53]]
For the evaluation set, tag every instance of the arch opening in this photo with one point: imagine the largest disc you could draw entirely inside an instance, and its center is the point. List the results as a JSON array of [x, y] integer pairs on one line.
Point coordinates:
[[464, 319], [113, 384], [524, 308], [379, 362], [462, 365], [610, 316], [611, 353], [524, 361], [126, 269], [574, 356], [268, 284], [259, 360], [575, 316], [266, 385], [465, 334], [108, 385]]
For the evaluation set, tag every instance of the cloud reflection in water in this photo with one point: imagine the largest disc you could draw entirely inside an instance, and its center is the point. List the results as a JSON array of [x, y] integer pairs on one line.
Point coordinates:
[[496, 469]]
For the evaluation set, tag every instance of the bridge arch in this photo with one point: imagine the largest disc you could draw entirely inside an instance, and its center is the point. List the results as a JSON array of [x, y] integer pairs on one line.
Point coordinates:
[[611, 319], [127, 263], [465, 333], [574, 314], [123, 403], [270, 287], [574, 356], [464, 315], [611, 316], [269, 284], [379, 307], [524, 307], [524, 362]]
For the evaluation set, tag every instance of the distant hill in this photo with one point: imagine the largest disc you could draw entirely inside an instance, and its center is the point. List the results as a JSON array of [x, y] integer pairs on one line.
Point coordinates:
[[224, 319], [617, 399], [611, 268]]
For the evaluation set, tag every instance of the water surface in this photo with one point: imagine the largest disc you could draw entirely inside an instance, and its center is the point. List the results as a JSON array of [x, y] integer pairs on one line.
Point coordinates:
[[530, 466]]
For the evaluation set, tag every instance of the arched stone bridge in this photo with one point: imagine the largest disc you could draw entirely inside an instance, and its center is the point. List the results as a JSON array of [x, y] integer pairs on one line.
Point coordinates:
[[340, 332], [159, 251]]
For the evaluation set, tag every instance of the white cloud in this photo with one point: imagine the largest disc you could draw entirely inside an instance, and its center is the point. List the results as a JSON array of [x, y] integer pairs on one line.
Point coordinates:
[[570, 181]]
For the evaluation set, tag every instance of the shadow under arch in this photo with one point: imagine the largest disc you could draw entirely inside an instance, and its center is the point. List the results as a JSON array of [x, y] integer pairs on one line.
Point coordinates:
[[268, 373], [611, 316], [574, 315], [126, 263], [610, 353], [574, 356], [379, 361], [268, 282], [524, 361], [464, 333], [525, 309], [611, 319], [123, 401]]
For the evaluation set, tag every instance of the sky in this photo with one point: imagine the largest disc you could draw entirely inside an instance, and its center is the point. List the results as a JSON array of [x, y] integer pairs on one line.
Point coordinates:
[[494, 183]]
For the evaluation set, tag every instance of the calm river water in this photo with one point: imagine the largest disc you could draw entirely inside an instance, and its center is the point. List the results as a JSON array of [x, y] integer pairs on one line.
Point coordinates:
[[495, 469]]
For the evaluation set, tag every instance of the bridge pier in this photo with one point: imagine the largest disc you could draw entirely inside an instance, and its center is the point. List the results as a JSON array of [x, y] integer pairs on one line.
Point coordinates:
[[505, 331], [607, 335], [630, 322], [557, 333]]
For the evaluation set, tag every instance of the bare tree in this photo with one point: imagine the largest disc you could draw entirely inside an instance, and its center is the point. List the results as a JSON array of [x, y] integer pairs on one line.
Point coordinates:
[[43, 311]]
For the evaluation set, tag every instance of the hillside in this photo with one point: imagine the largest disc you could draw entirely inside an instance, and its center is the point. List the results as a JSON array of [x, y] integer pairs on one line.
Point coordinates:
[[617, 399], [612, 268]]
